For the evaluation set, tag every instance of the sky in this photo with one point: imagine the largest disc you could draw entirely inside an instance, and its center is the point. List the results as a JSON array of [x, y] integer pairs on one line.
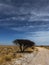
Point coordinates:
[[24, 19]]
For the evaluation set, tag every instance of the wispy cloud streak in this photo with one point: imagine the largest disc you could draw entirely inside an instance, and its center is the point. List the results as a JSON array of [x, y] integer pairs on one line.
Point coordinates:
[[30, 17]]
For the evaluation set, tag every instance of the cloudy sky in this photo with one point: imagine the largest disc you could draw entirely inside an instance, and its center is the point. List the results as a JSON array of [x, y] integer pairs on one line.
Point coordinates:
[[24, 19]]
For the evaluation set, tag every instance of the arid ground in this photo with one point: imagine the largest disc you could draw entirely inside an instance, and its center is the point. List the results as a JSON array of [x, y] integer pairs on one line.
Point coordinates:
[[9, 56]]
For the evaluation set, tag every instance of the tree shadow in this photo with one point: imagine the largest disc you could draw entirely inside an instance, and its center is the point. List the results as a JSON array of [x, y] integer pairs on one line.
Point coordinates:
[[24, 52]]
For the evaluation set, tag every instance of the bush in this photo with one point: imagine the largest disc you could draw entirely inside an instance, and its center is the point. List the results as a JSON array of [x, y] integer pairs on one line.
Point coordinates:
[[7, 58], [18, 55], [1, 60]]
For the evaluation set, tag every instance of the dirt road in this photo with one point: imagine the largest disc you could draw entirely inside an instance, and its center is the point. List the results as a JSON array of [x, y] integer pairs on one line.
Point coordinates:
[[40, 57]]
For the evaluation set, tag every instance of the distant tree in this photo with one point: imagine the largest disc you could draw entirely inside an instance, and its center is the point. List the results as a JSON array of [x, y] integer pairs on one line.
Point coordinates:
[[23, 44]]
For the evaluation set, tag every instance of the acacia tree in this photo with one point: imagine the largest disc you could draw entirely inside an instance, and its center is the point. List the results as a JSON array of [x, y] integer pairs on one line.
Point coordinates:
[[23, 44]]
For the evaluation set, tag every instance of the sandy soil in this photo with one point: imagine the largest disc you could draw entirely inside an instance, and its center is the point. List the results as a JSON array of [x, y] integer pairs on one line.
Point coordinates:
[[40, 57]]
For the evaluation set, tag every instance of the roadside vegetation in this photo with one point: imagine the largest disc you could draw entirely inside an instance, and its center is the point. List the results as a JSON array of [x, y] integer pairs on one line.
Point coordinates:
[[7, 53]]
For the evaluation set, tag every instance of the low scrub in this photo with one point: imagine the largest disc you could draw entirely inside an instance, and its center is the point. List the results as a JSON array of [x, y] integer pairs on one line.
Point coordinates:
[[7, 58]]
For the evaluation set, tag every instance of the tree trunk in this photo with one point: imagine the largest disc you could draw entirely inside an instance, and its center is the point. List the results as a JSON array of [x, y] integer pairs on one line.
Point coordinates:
[[25, 47], [20, 48]]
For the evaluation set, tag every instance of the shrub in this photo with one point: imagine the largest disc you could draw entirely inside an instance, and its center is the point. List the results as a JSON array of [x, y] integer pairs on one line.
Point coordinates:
[[7, 58], [18, 55], [1, 60]]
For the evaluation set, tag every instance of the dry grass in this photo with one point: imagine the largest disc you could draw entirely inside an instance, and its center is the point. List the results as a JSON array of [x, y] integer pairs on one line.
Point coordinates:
[[7, 53], [42, 46], [47, 47]]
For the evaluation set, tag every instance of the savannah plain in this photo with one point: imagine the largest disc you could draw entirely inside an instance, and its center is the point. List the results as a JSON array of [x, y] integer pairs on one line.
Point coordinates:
[[9, 55]]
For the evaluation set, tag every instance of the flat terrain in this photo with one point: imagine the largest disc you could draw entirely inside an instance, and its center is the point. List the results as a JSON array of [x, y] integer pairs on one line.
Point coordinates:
[[8, 53], [9, 56], [40, 57]]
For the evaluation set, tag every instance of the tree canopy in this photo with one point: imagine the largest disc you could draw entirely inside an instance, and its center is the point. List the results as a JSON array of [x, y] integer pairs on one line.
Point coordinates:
[[23, 43]]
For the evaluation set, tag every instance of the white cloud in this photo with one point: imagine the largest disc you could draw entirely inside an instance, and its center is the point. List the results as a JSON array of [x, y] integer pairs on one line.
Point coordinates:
[[24, 13], [23, 28], [39, 37], [6, 24]]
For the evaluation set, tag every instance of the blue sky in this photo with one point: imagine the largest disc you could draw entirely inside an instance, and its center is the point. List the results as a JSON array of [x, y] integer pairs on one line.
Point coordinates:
[[24, 19]]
